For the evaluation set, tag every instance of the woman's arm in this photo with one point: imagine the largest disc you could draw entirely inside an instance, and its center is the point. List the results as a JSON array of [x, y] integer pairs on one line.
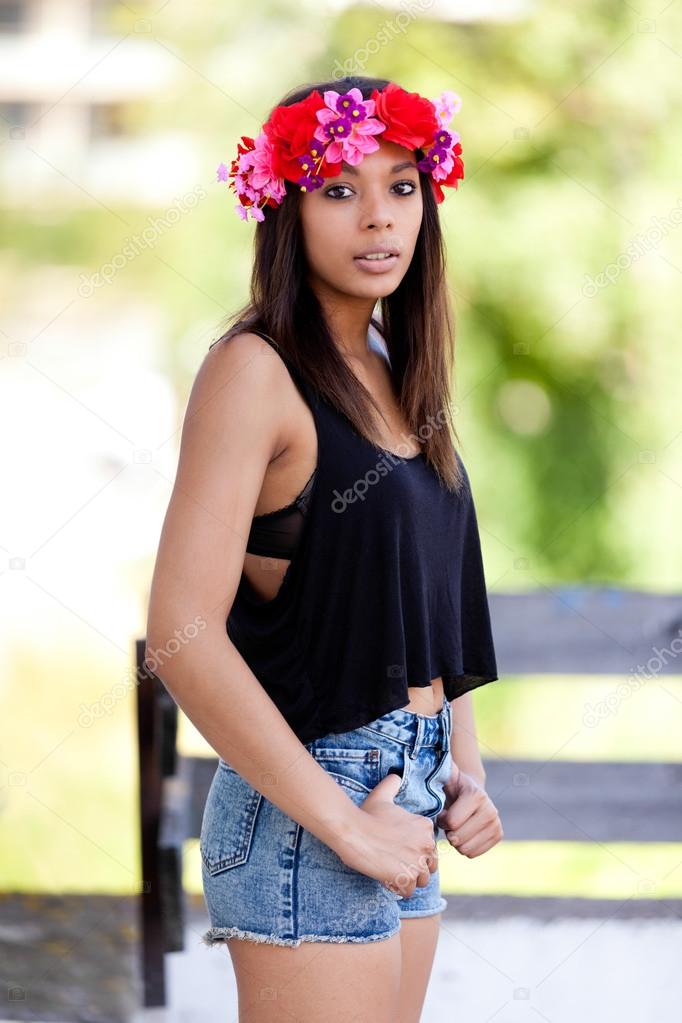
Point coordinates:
[[464, 742], [232, 430]]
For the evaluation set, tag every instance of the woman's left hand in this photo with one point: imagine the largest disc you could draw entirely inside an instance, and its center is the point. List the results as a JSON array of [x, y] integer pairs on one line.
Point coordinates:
[[469, 818]]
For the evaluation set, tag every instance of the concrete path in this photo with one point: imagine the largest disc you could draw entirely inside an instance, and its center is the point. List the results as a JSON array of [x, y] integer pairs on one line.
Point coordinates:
[[504, 969], [74, 959]]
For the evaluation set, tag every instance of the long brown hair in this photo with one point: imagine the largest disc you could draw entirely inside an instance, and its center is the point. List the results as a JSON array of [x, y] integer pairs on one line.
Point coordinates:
[[416, 319]]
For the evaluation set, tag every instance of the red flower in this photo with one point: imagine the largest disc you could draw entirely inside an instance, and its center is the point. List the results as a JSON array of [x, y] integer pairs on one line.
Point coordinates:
[[409, 118], [290, 129]]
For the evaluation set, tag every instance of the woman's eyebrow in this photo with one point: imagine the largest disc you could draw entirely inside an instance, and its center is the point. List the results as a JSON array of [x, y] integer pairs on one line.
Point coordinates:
[[394, 170]]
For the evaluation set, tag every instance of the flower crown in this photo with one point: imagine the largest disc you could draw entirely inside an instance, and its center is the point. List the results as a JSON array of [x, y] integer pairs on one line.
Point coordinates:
[[306, 142]]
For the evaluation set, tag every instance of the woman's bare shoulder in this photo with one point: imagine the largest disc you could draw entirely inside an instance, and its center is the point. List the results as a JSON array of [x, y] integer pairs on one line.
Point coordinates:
[[235, 407], [237, 351], [243, 364]]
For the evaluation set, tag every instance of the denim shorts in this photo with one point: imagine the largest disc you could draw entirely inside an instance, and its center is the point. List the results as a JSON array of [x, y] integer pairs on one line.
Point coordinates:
[[267, 879]]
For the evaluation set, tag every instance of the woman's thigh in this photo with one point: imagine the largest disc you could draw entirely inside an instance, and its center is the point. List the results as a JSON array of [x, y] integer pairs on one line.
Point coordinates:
[[418, 941], [337, 983]]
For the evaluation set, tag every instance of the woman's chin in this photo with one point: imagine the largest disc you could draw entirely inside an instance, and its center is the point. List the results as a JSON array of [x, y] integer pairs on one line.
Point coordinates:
[[375, 287]]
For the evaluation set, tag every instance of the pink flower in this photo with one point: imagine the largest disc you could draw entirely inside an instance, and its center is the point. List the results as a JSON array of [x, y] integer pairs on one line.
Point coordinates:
[[442, 169], [347, 125], [447, 104], [256, 166]]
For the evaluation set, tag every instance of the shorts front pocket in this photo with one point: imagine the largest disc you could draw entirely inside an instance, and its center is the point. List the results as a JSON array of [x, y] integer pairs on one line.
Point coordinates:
[[229, 820], [357, 770]]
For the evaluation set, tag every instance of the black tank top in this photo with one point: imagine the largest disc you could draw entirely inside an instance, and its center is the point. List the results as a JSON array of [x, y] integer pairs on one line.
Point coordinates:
[[385, 590]]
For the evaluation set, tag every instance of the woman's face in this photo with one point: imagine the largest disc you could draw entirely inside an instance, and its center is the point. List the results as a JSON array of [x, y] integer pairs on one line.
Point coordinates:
[[374, 205]]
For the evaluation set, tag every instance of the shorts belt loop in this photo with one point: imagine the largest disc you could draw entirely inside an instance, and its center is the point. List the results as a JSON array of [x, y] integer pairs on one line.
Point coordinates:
[[418, 739], [447, 724]]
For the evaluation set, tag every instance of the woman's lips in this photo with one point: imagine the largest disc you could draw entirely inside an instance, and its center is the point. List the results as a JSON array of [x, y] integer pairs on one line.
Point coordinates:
[[376, 266]]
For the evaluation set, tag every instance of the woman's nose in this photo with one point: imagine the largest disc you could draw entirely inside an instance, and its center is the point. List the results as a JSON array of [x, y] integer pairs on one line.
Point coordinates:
[[376, 213]]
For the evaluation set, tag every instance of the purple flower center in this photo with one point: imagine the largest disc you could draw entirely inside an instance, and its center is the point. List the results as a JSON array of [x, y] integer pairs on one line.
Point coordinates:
[[310, 179], [347, 107], [341, 128]]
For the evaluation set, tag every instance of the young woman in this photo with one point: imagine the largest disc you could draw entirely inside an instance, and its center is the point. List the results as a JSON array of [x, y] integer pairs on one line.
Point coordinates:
[[322, 531]]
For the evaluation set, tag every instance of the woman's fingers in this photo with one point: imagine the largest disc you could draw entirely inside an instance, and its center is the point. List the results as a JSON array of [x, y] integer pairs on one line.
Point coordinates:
[[476, 839], [417, 874]]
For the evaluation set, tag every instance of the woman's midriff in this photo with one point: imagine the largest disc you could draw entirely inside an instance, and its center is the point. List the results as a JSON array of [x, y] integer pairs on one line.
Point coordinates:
[[426, 699]]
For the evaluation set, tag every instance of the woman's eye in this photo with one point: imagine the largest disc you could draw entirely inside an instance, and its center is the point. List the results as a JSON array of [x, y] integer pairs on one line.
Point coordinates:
[[335, 188], [411, 185], [411, 188]]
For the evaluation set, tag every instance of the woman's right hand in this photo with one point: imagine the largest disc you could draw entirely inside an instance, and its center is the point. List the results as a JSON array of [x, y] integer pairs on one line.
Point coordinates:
[[390, 844]]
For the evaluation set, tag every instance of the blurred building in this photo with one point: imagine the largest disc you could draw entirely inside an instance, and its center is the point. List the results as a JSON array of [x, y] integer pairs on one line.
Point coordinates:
[[75, 97]]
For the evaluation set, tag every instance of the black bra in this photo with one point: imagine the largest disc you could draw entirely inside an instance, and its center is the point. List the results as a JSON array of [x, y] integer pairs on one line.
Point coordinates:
[[275, 534]]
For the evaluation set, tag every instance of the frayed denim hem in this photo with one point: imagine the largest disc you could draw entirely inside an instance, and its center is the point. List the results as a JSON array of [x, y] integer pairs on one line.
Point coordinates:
[[408, 914], [217, 934]]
